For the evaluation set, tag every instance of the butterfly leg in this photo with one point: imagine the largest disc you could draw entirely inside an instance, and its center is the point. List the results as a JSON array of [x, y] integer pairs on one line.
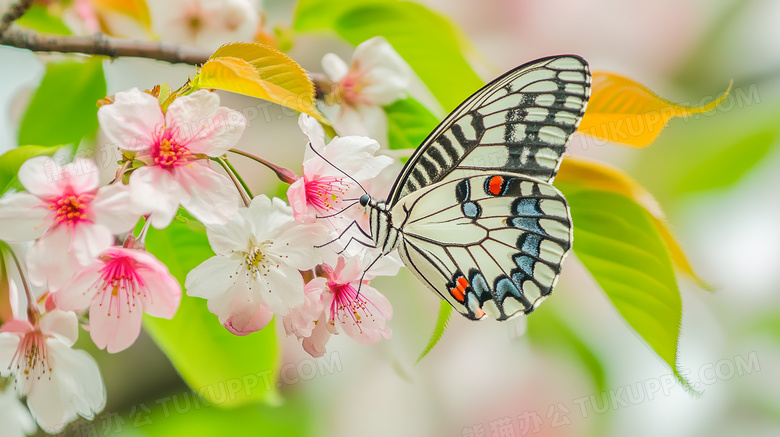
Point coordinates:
[[354, 223]]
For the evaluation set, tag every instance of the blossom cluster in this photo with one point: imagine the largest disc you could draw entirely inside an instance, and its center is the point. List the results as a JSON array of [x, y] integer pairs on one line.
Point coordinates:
[[78, 246]]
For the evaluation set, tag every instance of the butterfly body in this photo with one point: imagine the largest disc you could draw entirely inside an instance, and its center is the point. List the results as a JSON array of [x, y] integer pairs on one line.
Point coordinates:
[[473, 213]]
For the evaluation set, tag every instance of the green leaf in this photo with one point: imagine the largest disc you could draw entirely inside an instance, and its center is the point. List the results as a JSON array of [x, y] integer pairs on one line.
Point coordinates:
[[431, 44], [721, 169], [63, 110], [409, 123], [39, 18], [204, 352], [445, 311], [185, 415], [11, 160], [615, 239]]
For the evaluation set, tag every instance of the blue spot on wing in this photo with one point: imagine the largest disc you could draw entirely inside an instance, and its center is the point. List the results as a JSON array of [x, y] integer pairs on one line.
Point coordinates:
[[529, 243], [479, 285], [503, 287], [527, 207], [525, 263], [527, 224], [471, 210]]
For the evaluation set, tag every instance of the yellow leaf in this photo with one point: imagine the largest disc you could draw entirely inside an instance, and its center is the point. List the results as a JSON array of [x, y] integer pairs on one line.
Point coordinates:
[[624, 111], [595, 175], [257, 70]]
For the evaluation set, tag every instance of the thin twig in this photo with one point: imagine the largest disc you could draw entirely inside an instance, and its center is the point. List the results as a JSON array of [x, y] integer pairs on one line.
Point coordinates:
[[284, 174], [17, 10], [100, 44], [244, 196]]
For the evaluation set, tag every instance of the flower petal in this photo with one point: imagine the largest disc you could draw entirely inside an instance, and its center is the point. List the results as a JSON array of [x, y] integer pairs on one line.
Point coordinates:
[[246, 319], [296, 195], [114, 321], [314, 131], [233, 235], [81, 176], [315, 343], [8, 344], [267, 216], [334, 67], [367, 325], [383, 71], [114, 208], [77, 294], [164, 294], [302, 320], [354, 155], [281, 289], [364, 120], [41, 176], [63, 324], [75, 387], [23, 216], [205, 126], [296, 244], [49, 260], [88, 241], [212, 277], [157, 192], [212, 199], [131, 120]]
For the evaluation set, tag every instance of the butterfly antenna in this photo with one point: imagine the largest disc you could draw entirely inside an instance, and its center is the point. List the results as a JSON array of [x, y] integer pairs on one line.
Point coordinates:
[[340, 170]]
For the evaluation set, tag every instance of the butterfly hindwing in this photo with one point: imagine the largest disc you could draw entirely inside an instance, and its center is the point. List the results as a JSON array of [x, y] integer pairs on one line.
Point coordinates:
[[489, 244], [518, 123]]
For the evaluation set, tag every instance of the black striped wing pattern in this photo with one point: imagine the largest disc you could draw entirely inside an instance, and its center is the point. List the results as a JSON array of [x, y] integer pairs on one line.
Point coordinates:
[[480, 223], [519, 123]]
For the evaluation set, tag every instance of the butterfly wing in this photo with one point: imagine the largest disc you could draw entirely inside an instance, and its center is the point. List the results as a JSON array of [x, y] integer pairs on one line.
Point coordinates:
[[518, 123], [489, 244]]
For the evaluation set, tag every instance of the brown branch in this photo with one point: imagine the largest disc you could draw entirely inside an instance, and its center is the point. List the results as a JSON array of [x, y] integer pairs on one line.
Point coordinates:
[[17, 10], [99, 44]]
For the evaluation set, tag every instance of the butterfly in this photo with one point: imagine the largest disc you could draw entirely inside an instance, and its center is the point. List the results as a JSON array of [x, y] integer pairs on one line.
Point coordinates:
[[473, 213]]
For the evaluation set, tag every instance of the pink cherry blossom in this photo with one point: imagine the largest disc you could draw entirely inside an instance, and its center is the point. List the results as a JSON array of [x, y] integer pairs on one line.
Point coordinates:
[[256, 270], [118, 288], [362, 316], [377, 77], [59, 383], [74, 219], [175, 147], [324, 186]]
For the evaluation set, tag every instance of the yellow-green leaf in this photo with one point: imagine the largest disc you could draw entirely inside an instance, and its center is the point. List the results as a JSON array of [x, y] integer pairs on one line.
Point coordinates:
[[257, 70], [626, 112], [592, 175], [445, 311], [615, 239]]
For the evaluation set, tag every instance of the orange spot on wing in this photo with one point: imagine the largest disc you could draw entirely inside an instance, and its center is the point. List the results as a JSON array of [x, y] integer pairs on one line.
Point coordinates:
[[496, 182], [459, 292]]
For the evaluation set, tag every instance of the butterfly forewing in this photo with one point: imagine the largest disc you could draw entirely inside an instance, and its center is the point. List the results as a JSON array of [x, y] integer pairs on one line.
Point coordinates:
[[489, 244], [518, 123]]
